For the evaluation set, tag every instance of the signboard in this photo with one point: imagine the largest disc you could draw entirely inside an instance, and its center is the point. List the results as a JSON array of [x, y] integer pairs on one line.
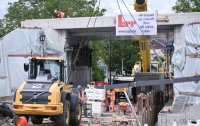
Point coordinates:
[[139, 23]]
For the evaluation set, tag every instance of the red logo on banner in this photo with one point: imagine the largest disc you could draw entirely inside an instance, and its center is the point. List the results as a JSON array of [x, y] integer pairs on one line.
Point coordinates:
[[125, 23]]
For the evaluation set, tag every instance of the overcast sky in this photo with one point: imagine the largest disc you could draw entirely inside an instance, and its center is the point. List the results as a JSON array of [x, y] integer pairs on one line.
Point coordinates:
[[161, 6]]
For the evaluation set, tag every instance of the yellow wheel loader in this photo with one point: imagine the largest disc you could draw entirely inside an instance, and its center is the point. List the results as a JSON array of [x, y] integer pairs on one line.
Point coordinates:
[[45, 94]]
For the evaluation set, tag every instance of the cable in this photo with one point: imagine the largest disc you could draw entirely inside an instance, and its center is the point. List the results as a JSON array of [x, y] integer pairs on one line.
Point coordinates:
[[77, 53], [93, 24], [82, 42], [123, 17], [132, 16], [135, 21], [133, 110]]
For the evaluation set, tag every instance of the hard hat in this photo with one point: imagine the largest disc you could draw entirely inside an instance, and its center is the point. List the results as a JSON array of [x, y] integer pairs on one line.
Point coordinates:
[[79, 86], [55, 11]]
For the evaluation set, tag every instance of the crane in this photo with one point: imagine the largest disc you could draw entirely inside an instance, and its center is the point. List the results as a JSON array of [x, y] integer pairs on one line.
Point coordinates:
[[144, 42]]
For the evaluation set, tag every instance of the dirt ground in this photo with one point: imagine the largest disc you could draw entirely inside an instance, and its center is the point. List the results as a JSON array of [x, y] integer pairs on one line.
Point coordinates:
[[107, 119]]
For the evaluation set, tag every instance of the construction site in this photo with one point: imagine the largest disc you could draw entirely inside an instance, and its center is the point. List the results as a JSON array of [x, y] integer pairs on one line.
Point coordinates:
[[46, 71]]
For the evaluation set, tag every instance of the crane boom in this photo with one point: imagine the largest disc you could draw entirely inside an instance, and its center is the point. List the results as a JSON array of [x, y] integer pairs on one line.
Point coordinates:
[[144, 42]]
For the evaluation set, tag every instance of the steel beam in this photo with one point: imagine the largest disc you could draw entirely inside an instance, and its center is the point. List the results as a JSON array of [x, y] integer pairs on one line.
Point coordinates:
[[151, 82]]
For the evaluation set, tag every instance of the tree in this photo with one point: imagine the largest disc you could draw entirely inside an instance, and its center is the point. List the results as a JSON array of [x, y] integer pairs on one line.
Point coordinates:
[[187, 6], [97, 55], [126, 50], [1, 28], [37, 9]]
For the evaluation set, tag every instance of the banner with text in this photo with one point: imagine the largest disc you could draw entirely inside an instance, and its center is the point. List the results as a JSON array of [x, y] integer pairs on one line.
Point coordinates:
[[139, 23]]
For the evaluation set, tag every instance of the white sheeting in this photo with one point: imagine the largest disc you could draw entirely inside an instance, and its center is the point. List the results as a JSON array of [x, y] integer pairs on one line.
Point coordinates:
[[24, 41], [186, 65], [192, 35], [178, 58]]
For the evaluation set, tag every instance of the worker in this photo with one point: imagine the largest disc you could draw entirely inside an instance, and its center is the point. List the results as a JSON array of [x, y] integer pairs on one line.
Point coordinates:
[[91, 85], [83, 99], [81, 94], [112, 98], [106, 103], [59, 14]]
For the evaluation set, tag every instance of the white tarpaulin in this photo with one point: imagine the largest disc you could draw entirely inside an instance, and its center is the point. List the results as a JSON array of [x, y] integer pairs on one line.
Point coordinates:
[[23, 42], [140, 23], [178, 58], [187, 62]]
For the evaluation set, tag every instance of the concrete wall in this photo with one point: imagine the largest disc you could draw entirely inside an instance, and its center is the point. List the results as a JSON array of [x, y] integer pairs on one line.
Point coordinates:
[[179, 35]]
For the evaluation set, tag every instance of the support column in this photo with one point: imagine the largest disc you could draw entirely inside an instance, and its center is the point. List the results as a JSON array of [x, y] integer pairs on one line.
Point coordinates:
[[68, 53]]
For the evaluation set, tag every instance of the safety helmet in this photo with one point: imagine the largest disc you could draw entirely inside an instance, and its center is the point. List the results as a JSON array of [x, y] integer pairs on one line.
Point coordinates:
[[79, 86], [55, 11]]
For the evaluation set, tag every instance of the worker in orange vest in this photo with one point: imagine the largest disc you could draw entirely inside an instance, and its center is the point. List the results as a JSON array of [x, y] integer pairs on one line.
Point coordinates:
[[59, 14], [112, 99]]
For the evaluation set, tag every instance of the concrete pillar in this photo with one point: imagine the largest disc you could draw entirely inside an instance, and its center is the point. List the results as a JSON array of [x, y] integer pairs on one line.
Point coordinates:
[[179, 38], [67, 54]]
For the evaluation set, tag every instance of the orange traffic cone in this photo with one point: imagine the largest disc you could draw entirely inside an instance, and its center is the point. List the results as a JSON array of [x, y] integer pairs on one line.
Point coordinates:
[[21, 121]]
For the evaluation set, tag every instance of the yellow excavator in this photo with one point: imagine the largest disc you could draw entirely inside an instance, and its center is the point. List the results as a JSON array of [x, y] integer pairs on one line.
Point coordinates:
[[46, 95]]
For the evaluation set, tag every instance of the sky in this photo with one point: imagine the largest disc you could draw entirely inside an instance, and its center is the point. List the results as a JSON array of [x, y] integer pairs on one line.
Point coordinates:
[[4, 6], [161, 6]]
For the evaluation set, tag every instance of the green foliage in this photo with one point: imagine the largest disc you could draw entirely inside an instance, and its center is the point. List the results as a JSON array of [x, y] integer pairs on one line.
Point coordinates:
[[187, 6], [97, 73], [37, 9], [126, 50], [1, 28]]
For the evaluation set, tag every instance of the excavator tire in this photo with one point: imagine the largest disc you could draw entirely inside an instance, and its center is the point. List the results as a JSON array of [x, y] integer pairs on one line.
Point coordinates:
[[75, 110], [63, 119], [36, 119]]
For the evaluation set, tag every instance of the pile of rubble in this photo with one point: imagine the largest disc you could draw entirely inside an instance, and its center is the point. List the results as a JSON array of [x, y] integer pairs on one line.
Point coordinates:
[[111, 119], [6, 114], [6, 121]]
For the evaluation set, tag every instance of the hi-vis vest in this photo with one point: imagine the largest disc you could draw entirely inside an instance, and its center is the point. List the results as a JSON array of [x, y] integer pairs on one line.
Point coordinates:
[[112, 95]]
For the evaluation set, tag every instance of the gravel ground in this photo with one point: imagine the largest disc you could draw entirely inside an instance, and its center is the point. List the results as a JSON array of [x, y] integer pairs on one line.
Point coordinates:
[[6, 121], [108, 119]]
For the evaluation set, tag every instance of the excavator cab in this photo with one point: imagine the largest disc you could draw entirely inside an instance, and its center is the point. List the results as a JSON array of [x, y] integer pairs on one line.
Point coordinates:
[[41, 69]]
